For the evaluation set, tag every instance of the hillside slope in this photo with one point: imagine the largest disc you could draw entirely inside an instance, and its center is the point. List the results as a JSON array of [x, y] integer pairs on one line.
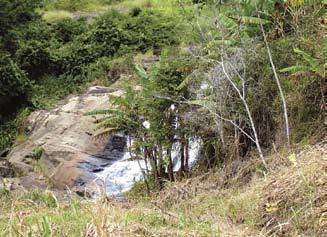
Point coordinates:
[[289, 201]]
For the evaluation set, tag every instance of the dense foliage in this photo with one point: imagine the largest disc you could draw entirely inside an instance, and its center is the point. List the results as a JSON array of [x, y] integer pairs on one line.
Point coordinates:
[[222, 86], [68, 53], [14, 85], [229, 89], [244, 79]]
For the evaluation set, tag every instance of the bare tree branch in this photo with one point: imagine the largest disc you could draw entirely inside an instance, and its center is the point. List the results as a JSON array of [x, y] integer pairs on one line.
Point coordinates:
[[287, 128]]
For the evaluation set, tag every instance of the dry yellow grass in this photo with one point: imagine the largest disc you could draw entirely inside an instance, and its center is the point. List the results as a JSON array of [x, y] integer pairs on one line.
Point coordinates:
[[295, 198], [289, 201]]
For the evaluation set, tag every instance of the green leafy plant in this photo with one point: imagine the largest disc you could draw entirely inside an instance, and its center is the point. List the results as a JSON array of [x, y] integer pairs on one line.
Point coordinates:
[[14, 86], [37, 152], [46, 227], [315, 65]]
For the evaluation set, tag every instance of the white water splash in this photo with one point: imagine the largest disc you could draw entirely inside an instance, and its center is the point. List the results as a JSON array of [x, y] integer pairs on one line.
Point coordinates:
[[122, 174], [194, 149]]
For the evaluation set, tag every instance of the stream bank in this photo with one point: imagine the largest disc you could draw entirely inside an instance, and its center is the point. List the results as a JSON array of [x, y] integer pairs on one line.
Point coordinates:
[[61, 151]]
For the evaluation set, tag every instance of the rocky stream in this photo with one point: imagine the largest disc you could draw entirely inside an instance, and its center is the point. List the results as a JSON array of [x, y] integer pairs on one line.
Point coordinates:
[[60, 151]]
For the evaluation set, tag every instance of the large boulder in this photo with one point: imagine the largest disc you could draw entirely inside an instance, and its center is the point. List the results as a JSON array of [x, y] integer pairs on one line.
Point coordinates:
[[61, 145]]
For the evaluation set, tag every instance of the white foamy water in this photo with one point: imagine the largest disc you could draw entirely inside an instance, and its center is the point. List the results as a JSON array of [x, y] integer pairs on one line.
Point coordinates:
[[122, 174], [194, 149]]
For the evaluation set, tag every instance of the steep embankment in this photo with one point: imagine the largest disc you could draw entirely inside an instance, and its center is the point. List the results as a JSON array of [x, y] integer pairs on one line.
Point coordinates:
[[289, 201]]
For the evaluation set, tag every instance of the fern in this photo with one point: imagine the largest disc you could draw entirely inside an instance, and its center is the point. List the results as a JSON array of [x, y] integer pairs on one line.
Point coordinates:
[[109, 121], [295, 69], [314, 63]]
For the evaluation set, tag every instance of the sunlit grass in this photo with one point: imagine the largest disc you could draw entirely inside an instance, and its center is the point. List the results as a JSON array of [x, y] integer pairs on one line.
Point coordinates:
[[77, 5], [56, 15], [169, 7]]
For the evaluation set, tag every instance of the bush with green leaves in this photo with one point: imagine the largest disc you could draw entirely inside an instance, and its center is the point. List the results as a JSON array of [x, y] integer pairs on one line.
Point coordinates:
[[153, 104], [7, 133], [34, 58], [36, 45], [17, 12], [14, 86], [108, 70], [66, 30], [116, 34], [114, 31]]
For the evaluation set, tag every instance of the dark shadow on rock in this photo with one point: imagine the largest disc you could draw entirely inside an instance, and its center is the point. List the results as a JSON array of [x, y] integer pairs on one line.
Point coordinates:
[[112, 152]]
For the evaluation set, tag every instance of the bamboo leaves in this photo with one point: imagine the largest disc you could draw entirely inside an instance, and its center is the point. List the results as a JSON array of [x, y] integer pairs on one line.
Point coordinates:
[[310, 64]]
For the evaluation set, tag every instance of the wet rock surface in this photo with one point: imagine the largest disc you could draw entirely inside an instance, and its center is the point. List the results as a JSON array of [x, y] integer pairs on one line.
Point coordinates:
[[62, 147]]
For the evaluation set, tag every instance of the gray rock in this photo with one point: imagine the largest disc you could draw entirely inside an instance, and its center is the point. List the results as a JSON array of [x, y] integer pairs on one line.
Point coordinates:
[[65, 136]]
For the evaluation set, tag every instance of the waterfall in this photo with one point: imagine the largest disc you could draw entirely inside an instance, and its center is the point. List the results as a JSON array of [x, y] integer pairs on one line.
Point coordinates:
[[194, 147], [120, 176]]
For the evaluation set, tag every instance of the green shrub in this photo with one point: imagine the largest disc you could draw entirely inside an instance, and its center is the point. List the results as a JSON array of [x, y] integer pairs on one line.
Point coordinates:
[[49, 90], [150, 30], [114, 31], [107, 33], [109, 70], [14, 86], [7, 134], [34, 57], [37, 152], [16, 12], [66, 30], [116, 34], [77, 56], [135, 11], [36, 48]]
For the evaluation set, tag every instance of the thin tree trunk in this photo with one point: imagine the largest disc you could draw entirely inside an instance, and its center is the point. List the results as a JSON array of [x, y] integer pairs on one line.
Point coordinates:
[[254, 130], [154, 166], [145, 177], [170, 165], [287, 128], [187, 155], [182, 168], [161, 168]]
